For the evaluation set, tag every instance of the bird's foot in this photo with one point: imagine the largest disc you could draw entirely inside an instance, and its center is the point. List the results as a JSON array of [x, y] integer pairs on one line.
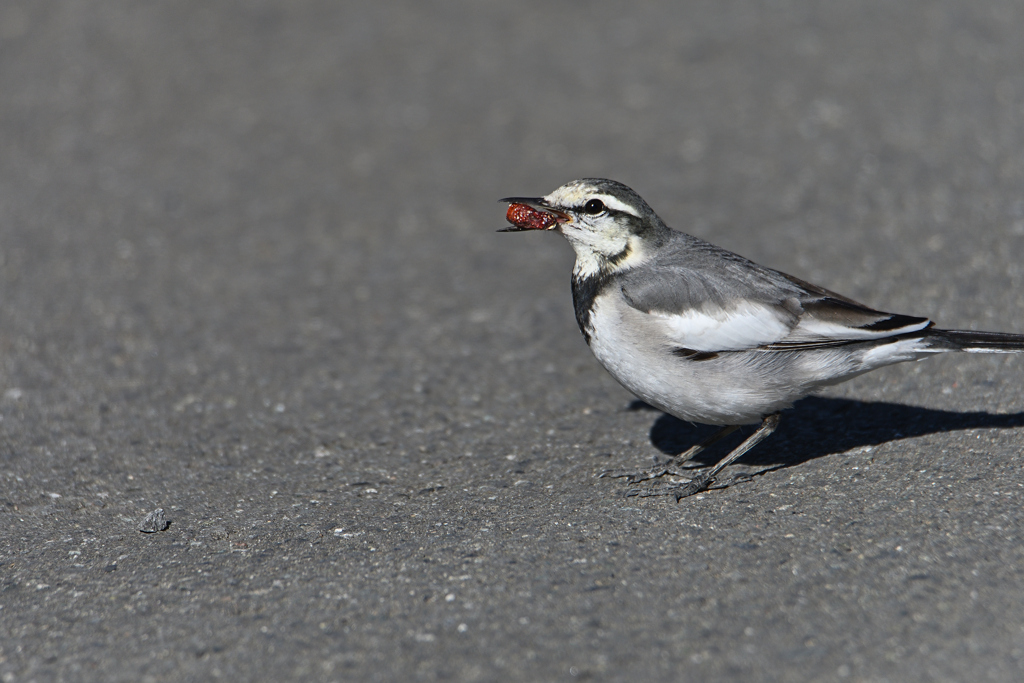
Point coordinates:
[[657, 472], [695, 485]]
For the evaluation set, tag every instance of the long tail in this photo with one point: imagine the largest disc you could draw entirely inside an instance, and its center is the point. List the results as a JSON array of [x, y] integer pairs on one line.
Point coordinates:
[[974, 342]]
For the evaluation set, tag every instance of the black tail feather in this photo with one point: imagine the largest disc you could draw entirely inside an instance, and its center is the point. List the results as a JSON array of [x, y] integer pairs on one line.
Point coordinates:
[[966, 340]]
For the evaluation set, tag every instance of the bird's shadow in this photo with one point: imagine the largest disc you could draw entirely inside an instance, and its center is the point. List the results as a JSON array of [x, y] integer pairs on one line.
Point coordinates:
[[817, 427]]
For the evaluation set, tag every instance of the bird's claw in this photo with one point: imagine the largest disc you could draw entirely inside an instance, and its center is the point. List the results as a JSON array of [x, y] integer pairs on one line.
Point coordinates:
[[645, 475], [695, 485]]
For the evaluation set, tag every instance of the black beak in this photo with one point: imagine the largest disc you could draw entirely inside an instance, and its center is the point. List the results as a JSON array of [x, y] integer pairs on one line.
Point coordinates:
[[533, 202]]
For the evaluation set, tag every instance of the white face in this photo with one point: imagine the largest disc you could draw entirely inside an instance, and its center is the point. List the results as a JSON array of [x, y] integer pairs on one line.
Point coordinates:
[[601, 240]]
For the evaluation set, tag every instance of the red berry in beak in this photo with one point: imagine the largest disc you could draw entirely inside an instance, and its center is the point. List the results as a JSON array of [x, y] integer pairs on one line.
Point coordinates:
[[527, 218]]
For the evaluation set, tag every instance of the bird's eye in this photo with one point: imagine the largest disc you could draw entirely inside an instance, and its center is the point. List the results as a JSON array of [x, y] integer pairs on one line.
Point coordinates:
[[593, 207]]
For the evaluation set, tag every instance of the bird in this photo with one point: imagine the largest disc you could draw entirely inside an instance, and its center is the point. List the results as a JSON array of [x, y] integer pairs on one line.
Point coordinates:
[[707, 335]]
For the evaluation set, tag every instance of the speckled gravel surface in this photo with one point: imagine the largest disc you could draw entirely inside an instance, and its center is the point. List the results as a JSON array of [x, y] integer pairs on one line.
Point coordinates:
[[249, 275]]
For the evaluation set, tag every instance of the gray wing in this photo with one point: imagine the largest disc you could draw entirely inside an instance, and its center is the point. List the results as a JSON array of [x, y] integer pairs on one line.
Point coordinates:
[[707, 299]]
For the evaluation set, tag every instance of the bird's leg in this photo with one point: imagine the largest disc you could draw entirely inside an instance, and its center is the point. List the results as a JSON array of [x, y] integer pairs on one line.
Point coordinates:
[[671, 466], [688, 455], [703, 481]]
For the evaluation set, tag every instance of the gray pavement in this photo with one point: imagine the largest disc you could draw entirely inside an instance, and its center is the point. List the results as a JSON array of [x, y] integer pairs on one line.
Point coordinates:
[[249, 275]]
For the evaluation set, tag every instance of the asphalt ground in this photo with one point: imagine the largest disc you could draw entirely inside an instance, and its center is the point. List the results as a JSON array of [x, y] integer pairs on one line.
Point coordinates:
[[249, 275]]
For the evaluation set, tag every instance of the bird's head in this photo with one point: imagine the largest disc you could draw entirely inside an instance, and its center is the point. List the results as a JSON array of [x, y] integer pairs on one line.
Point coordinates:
[[610, 226]]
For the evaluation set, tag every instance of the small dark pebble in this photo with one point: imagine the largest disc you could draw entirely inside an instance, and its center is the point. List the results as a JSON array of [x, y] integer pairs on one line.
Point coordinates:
[[154, 522]]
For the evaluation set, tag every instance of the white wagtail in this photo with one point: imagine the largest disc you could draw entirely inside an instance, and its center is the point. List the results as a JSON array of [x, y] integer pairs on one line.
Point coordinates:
[[707, 335]]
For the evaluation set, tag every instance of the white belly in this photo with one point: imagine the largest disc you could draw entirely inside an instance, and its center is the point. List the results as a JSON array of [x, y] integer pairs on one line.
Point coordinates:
[[732, 388]]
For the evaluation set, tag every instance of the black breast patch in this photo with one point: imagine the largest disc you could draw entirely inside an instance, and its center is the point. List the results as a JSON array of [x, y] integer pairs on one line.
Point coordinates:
[[584, 291]]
